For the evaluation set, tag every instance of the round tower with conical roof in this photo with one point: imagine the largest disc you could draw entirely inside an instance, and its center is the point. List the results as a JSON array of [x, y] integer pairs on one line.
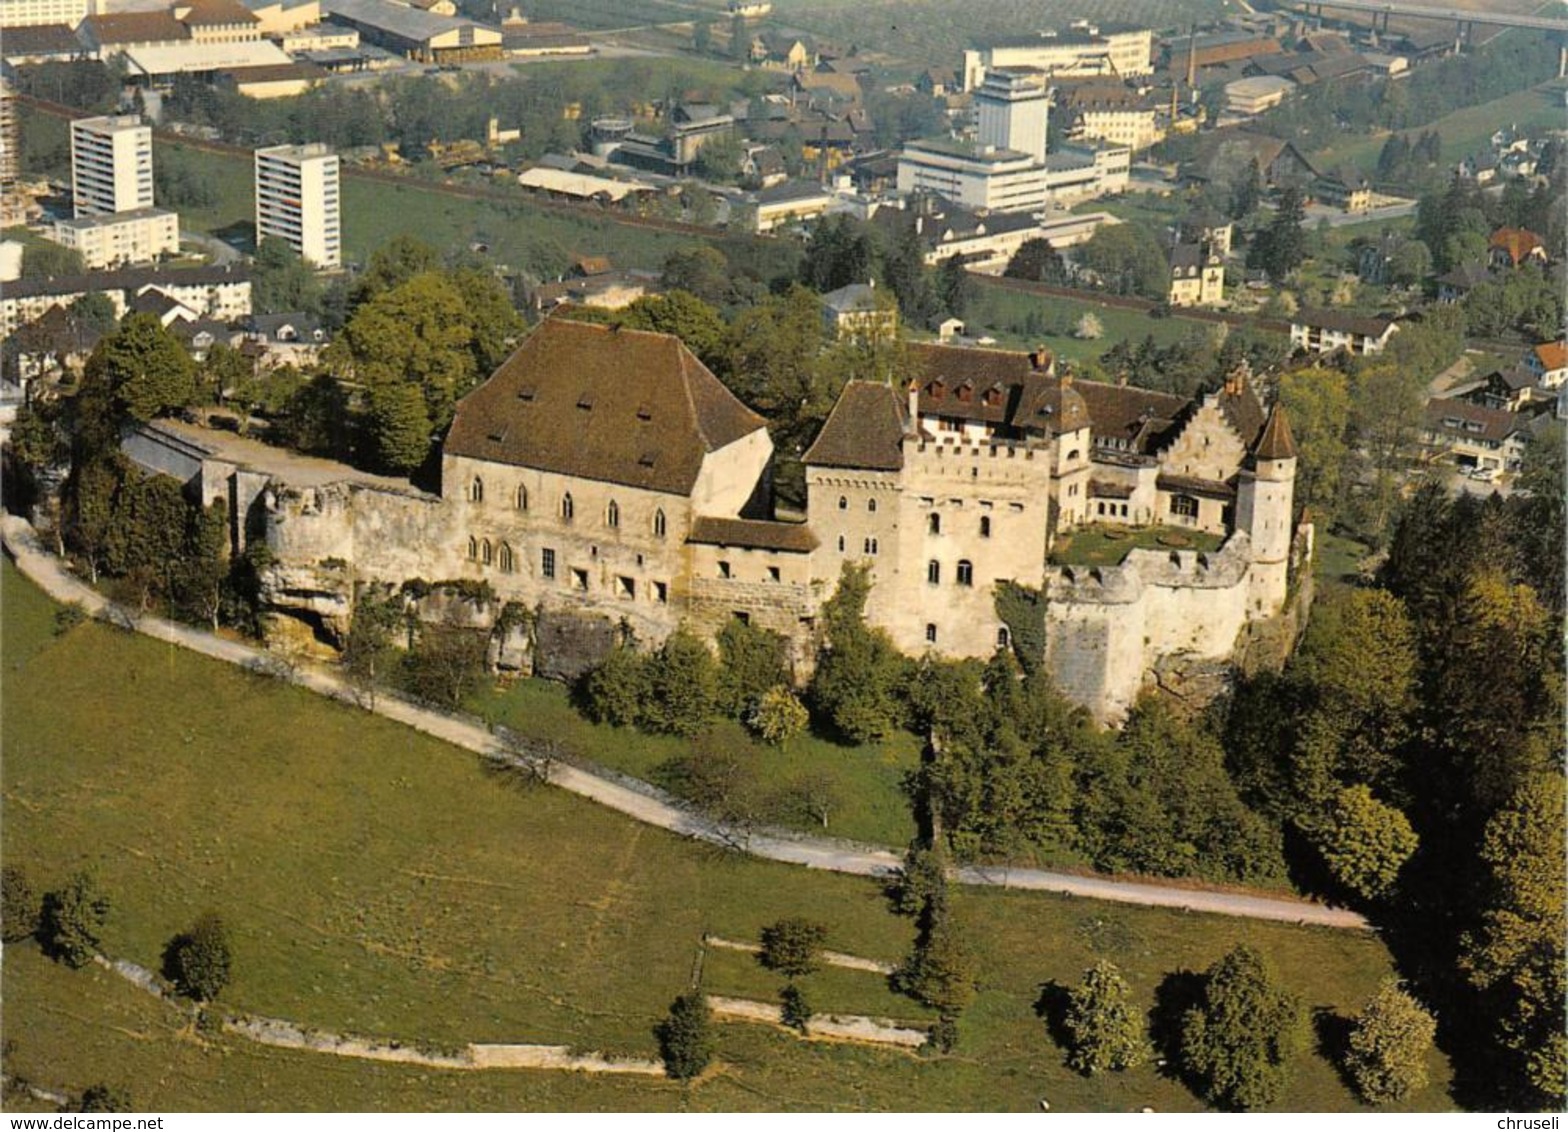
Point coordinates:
[[1265, 510]]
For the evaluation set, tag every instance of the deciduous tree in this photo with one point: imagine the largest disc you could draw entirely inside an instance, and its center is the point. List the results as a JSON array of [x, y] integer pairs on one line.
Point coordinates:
[[71, 921], [793, 946], [1364, 842], [1238, 1040], [1106, 1031], [1390, 1041], [198, 961], [685, 1037]]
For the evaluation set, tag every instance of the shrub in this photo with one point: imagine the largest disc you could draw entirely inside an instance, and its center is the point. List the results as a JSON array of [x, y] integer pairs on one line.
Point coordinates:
[[616, 691], [1389, 1043], [71, 921], [106, 1098], [777, 716], [793, 946], [1237, 1041], [18, 905], [198, 961], [794, 1010], [685, 1037], [68, 617], [1106, 1032]]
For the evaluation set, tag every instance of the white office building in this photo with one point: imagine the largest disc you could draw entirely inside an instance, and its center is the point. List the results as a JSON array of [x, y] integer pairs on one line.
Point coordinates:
[[1011, 110], [32, 13], [973, 174], [297, 199], [111, 165]]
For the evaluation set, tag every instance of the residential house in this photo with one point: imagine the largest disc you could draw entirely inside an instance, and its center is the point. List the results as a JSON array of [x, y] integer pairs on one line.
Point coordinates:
[[1507, 389], [857, 311], [1549, 363], [1476, 437], [1326, 331], [1509, 248], [1453, 286], [1346, 187], [789, 203], [1197, 276]]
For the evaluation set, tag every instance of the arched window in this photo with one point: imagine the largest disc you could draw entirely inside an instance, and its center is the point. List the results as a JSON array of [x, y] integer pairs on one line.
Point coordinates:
[[930, 633], [485, 552], [473, 547], [505, 560], [1003, 637], [476, 490], [658, 523], [843, 503], [934, 572], [1073, 455], [966, 572], [933, 524], [871, 505], [567, 509], [522, 497], [612, 514], [985, 526]]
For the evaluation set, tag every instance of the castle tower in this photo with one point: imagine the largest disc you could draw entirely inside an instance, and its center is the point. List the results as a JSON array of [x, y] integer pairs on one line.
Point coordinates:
[[1264, 509]]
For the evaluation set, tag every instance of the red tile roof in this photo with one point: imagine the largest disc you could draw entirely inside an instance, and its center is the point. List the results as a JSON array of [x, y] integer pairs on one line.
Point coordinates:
[[1519, 243], [864, 430]]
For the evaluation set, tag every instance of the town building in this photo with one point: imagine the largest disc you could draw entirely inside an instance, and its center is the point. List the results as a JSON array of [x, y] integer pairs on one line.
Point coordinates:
[[1474, 437], [1325, 331], [1197, 276], [974, 174], [111, 165], [857, 311], [422, 36], [121, 239], [298, 200], [220, 293], [1012, 107], [39, 43], [1508, 248], [1548, 361], [1081, 50], [1111, 112], [1346, 188], [33, 13], [13, 210]]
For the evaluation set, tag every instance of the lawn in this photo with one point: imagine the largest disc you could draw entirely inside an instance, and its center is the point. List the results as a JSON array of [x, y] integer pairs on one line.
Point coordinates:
[[1337, 558], [1464, 132], [1022, 321], [1104, 545], [376, 881], [869, 779]]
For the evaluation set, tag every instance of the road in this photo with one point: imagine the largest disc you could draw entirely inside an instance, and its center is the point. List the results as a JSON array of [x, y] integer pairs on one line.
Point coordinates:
[[47, 571]]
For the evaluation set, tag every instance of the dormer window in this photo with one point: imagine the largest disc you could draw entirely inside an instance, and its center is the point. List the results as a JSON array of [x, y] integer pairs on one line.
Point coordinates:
[[585, 400], [644, 413], [966, 392], [937, 389]]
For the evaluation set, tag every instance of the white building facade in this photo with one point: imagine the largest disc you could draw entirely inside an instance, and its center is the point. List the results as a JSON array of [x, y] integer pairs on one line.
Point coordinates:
[[298, 200], [111, 165], [122, 239]]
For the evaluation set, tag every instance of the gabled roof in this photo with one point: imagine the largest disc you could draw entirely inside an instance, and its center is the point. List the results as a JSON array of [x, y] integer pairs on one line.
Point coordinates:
[[40, 39], [1518, 243], [851, 298], [1276, 443], [1474, 422], [1345, 322], [136, 27], [609, 404], [218, 13], [1139, 420], [753, 534], [1552, 355], [865, 430]]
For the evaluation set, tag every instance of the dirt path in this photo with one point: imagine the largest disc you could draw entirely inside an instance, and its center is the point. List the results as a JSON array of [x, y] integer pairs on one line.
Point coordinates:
[[51, 575]]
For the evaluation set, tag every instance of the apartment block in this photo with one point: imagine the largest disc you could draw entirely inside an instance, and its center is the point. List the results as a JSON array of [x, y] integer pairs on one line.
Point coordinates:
[[297, 200], [111, 165]]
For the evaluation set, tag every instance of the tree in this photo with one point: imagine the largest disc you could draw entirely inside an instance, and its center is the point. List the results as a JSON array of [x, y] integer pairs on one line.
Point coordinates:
[[940, 972], [699, 270], [954, 287], [1317, 399], [1281, 247], [682, 314], [1128, 259], [198, 961], [615, 691], [106, 1098], [445, 663], [793, 946], [143, 369], [751, 663], [71, 921], [1364, 842], [682, 692], [393, 264], [1517, 952], [281, 281], [776, 717], [1037, 261], [1389, 1044], [685, 1037], [839, 252], [1089, 327], [794, 1008], [855, 686], [1105, 1031], [1410, 263], [1239, 1038], [399, 426], [18, 905]]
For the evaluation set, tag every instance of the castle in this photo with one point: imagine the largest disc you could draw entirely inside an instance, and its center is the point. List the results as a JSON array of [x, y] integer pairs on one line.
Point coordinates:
[[604, 477]]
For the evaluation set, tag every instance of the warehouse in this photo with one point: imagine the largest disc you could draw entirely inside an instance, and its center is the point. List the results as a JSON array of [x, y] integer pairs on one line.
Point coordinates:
[[422, 36]]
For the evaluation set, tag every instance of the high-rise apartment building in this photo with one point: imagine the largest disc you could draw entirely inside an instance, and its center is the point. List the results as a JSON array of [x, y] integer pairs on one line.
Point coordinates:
[[11, 208], [111, 165], [32, 13], [297, 200], [1011, 108]]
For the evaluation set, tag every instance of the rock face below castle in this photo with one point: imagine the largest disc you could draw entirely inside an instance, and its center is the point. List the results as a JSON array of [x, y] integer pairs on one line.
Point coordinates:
[[605, 479]]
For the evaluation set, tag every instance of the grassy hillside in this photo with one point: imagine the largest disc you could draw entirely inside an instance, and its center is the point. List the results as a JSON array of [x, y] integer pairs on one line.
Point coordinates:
[[378, 882]]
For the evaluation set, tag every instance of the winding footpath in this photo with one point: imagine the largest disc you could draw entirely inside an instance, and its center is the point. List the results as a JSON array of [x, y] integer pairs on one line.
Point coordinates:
[[50, 574]]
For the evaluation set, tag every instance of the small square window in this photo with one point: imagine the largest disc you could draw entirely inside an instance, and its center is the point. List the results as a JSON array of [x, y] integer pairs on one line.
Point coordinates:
[[773, 574], [930, 633], [579, 579], [724, 569], [625, 587], [661, 593]]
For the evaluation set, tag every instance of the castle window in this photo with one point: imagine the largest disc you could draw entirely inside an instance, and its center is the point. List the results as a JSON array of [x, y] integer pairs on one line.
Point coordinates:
[[612, 514], [1184, 506], [1003, 638], [625, 587], [843, 503], [871, 505], [966, 572], [841, 544], [1101, 507], [933, 524], [985, 526], [934, 572], [579, 579], [869, 546], [774, 575], [1073, 455], [930, 633], [658, 523], [473, 548], [505, 560], [724, 569], [522, 498], [476, 490], [567, 507], [485, 552], [661, 593], [547, 562]]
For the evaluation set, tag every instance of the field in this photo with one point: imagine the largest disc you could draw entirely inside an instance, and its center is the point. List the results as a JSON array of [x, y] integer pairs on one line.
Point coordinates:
[[1464, 132], [934, 33], [868, 779], [1022, 321], [375, 881]]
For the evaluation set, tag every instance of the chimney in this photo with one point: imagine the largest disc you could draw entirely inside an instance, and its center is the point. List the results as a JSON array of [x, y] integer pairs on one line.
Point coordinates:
[[913, 391]]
